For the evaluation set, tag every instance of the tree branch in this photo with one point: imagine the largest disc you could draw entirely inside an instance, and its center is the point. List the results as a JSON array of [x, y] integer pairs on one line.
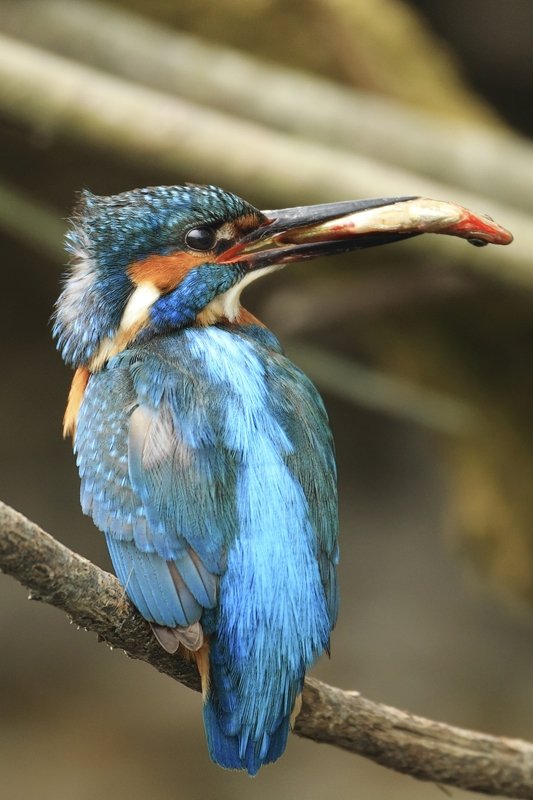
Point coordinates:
[[427, 750], [466, 153], [63, 98]]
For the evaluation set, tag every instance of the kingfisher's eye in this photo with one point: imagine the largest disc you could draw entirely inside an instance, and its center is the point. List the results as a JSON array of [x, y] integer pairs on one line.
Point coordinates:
[[200, 238]]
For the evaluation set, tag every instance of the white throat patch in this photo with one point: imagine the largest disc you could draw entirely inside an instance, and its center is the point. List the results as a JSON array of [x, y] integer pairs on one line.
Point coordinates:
[[134, 316], [139, 304], [228, 304]]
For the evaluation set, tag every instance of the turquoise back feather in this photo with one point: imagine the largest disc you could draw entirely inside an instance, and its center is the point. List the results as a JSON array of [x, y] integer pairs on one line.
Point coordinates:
[[206, 459]]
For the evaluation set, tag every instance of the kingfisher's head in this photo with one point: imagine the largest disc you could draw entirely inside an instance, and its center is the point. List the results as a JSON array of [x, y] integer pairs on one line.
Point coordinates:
[[131, 251], [157, 259]]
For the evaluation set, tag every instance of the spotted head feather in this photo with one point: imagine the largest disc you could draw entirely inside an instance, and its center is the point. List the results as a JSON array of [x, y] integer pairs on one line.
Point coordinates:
[[112, 240]]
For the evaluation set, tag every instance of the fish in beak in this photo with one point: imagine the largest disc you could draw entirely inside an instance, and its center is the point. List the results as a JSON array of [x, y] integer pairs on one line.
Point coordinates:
[[304, 232]]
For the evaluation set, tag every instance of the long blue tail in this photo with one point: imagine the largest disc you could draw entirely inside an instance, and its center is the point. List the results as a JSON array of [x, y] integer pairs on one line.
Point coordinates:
[[232, 752], [273, 619], [247, 730]]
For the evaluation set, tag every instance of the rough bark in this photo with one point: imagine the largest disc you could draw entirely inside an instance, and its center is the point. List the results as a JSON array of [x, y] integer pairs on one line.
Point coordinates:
[[422, 748]]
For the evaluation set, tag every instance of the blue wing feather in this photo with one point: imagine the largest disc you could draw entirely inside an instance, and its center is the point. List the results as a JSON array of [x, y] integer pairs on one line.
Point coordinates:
[[207, 460]]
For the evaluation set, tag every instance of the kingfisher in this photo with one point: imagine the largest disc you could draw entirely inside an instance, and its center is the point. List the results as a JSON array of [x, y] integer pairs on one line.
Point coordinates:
[[205, 455]]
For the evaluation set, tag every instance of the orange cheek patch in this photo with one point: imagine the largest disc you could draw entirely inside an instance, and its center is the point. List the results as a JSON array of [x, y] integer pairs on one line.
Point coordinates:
[[165, 272]]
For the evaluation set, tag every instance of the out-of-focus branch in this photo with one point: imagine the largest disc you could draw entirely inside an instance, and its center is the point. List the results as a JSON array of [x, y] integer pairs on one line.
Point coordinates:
[[374, 389], [412, 745], [387, 46], [383, 46], [64, 99], [31, 222], [303, 306], [494, 163]]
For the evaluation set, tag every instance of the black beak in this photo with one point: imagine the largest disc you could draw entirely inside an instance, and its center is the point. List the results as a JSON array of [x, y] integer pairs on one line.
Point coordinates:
[[304, 232]]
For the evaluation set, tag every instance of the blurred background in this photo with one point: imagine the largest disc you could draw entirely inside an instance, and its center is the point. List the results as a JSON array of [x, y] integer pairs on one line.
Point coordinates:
[[422, 351]]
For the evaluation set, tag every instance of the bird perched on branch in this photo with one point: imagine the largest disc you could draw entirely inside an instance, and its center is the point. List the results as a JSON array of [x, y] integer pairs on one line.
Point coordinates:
[[205, 455]]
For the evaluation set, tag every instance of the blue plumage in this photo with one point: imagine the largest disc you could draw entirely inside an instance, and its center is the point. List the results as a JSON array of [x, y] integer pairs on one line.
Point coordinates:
[[231, 459], [205, 456]]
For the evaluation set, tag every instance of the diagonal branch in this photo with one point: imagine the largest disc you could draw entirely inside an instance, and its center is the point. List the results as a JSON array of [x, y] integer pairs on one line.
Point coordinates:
[[466, 153], [412, 745], [62, 98]]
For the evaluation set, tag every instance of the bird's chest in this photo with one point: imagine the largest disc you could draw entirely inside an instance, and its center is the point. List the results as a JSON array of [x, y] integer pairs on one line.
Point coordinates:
[[209, 441], [177, 433]]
